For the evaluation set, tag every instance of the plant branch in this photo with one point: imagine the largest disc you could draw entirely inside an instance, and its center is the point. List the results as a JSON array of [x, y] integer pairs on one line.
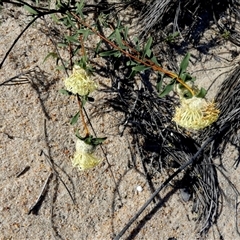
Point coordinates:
[[146, 62]]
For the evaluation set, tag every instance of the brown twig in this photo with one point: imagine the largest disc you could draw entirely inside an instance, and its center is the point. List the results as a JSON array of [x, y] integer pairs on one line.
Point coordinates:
[[144, 61]]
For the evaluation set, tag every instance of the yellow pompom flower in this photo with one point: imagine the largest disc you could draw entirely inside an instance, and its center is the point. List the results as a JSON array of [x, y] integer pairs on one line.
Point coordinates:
[[83, 157], [80, 82], [195, 113]]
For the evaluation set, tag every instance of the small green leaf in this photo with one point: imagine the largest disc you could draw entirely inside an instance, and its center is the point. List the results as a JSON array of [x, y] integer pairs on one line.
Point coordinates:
[[54, 17], [186, 77], [65, 92], [117, 54], [118, 38], [131, 63], [51, 54], [75, 118], [131, 75], [62, 45], [171, 37], [154, 59], [118, 23], [98, 46], [139, 68], [67, 21], [187, 94], [78, 136], [60, 68], [202, 93], [91, 140], [85, 33], [82, 62], [184, 64], [182, 76], [167, 90], [72, 38], [109, 53], [159, 82], [80, 6], [193, 79], [84, 100], [175, 34], [137, 44], [147, 51], [30, 10], [70, 21], [125, 34], [97, 141]]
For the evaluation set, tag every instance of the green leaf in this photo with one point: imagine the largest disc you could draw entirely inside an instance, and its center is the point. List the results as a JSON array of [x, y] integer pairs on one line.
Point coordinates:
[[54, 17], [84, 100], [118, 23], [72, 24], [183, 76], [187, 94], [67, 21], [91, 140], [193, 79], [167, 90], [132, 74], [80, 6], [78, 135], [65, 92], [83, 62], [62, 45], [171, 37], [154, 59], [97, 141], [184, 64], [131, 63], [117, 54], [75, 118], [159, 82], [30, 10], [118, 38], [51, 54], [72, 38], [186, 77], [98, 46], [139, 68], [60, 68], [202, 93], [110, 53], [147, 51], [125, 34], [137, 44], [85, 33]]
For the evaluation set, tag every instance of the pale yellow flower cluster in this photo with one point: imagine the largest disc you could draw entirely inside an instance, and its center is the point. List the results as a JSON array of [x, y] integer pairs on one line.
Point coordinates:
[[83, 157], [80, 82], [195, 113]]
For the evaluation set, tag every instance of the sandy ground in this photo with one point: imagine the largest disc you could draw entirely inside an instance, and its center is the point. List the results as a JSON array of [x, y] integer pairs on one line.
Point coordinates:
[[35, 132]]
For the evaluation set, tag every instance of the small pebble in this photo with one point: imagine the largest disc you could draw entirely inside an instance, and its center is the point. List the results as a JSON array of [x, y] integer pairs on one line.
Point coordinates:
[[139, 188]]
